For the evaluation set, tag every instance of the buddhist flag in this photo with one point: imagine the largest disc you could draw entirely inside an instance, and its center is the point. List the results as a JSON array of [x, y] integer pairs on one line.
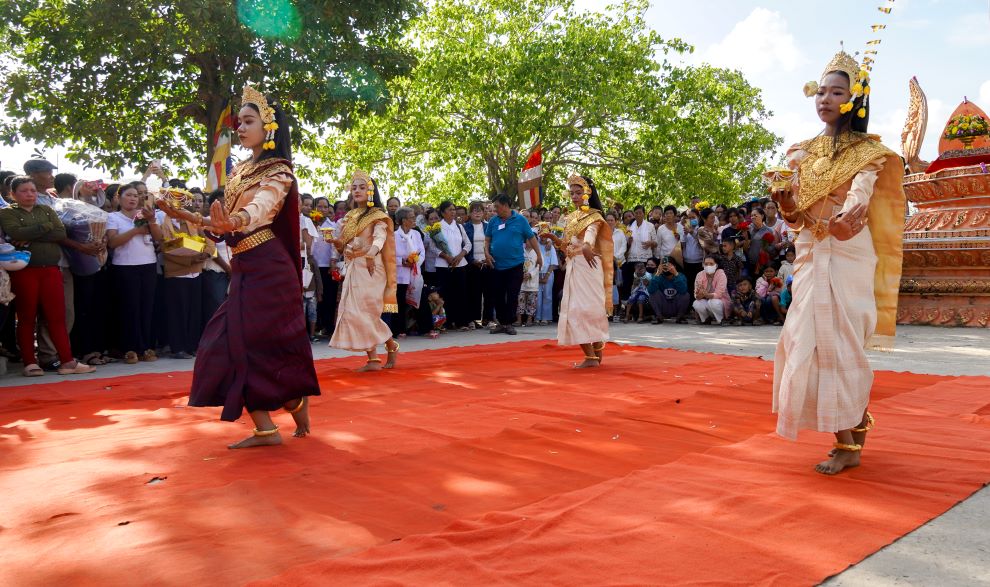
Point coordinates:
[[531, 179], [874, 42], [885, 9], [216, 176], [878, 27]]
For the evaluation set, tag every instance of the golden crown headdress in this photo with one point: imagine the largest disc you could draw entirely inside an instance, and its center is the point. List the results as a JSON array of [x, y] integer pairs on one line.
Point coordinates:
[[252, 96], [859, 80], [576, 179], [859, 75], [364, 176]]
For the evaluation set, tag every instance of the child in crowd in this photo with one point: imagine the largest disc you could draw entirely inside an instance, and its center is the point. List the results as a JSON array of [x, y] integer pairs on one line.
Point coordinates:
[[544, 297], [439, 315], [640, 295], [768, 290], [530, 288], [786, 295], [730, 263], [787, 265], [745, 305]]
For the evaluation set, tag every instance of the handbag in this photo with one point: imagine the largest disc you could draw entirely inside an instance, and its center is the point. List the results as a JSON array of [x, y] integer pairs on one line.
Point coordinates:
[[415, 289]]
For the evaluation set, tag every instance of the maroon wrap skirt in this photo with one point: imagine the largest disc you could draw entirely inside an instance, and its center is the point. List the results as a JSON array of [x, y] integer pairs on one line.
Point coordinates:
[[255, 352]]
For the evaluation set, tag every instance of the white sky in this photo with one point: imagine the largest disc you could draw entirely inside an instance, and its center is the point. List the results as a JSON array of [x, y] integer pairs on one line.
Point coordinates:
[[781, 44]]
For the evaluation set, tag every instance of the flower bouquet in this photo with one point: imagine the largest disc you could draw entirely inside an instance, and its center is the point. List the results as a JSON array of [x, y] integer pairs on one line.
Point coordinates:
[[317, 217], [966, 128], [84, 223], [435, 233]]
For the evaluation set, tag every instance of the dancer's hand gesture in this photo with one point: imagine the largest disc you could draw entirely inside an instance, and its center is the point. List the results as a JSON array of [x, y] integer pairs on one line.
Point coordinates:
[[220, 221], [848, 224], [590, 256]]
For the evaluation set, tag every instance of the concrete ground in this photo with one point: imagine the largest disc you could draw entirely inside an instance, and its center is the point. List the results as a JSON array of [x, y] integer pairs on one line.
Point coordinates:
[[953, 549]]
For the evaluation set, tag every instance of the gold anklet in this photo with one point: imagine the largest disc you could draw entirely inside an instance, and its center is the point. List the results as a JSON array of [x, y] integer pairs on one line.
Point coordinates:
[[848, 447], [375, 360], [592, 358], [870, 423], [299, 406], [395, 350], [261, 433], [598, 346]]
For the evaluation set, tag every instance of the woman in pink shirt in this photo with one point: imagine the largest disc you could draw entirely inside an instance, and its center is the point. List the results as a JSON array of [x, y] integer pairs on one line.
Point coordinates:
[[711, 296]]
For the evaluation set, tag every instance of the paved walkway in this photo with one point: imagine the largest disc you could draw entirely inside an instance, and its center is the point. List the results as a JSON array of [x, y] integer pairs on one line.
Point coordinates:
[[953, 549]]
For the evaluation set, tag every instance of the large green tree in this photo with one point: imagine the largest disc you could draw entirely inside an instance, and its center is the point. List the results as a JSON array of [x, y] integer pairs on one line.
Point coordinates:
[[598, 90], [121, 82]]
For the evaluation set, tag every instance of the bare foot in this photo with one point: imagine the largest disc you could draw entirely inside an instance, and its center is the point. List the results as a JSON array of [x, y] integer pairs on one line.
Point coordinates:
[[393, 354], [588, 364], [301, 418], [371, 366], [858, 438], [250, 441], [843, 459]]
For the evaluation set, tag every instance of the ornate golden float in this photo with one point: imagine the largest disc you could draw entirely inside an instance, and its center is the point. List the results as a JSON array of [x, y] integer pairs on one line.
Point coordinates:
[[946, 277]]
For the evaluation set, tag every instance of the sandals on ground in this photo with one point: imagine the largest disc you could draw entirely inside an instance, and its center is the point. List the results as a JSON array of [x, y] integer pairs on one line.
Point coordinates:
[[79, 369], [33, 370], [131, 358]]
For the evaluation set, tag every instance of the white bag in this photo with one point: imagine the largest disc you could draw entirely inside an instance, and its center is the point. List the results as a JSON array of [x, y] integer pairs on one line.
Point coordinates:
[[414, 291]]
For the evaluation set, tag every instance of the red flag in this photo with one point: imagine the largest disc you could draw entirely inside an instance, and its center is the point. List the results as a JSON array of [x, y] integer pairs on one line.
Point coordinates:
[[535, 158], [531, 179]]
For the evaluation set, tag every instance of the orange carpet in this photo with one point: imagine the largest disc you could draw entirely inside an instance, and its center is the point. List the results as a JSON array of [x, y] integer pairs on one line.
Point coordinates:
[[475, 466]]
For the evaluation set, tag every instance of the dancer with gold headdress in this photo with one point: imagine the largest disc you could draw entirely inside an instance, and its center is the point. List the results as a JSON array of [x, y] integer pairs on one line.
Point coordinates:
[[367, 241], [587, 299], [255, 353], [848, 204]]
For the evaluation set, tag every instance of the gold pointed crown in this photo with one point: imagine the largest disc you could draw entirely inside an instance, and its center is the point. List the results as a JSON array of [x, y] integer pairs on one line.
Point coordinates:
[[845, 63], [362, 175], [576, 179], [253, 96]]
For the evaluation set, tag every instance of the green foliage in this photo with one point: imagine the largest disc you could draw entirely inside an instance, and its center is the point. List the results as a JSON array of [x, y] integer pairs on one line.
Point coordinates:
[[122, 82], [494, 77]]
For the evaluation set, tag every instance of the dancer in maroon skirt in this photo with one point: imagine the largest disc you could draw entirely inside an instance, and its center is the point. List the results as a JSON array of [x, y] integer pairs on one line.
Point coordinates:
[[255, 353]]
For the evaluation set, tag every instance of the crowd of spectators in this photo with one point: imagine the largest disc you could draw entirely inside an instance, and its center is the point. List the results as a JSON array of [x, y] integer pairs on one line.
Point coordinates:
[[483, 265]]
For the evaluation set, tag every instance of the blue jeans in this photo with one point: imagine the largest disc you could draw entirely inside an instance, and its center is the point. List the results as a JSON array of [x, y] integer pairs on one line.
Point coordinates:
[[544, 300]]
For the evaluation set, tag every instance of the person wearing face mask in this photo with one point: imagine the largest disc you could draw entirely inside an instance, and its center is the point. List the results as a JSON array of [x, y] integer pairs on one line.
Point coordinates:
[[694, 254], [711, 296], [669, 295]]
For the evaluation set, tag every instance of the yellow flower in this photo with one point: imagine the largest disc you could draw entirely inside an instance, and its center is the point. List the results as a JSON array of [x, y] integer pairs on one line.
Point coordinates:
[[585, 208], [861, 113], [863, 74], [857, 88], [371, 203], [847, 107], [964, 126], [866, 91], [810, 89]]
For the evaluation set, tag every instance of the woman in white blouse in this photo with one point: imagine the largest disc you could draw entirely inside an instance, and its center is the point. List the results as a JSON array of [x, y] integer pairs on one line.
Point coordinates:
[[409, 257], [326, 258], [452, 268], [642, 241]]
